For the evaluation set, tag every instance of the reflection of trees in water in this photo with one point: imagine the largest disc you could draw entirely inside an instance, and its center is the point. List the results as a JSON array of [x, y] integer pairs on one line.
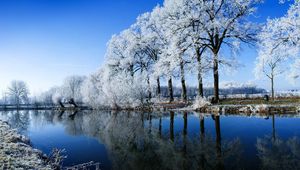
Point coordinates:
[[19, 120], [133, 142], [42, 118], [277, 153], [134, 145]]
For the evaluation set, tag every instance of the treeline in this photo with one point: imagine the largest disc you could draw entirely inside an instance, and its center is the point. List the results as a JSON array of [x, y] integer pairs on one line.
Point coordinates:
[[181, 37], [18, 94]]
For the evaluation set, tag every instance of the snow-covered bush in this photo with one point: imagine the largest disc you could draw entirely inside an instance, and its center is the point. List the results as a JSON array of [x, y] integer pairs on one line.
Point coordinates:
[[247, 109], [126, 91], [200, 102], [92, 90], [260, 108], [71, 88], [102, 90]]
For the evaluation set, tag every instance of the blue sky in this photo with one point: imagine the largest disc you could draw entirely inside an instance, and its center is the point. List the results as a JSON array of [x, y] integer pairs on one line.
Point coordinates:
[[43, 41]]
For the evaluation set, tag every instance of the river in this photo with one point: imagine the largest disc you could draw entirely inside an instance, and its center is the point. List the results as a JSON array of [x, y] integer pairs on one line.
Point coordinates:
[[164, 140]]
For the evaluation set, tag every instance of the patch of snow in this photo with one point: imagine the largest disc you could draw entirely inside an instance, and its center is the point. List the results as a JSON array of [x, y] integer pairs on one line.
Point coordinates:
[[200, 102]]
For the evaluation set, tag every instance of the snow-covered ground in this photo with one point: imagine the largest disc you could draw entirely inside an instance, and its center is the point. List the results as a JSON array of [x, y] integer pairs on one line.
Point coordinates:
[[16, 152]]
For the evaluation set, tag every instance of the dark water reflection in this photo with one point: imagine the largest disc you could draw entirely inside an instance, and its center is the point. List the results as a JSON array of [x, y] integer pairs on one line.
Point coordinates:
[[126, 140]]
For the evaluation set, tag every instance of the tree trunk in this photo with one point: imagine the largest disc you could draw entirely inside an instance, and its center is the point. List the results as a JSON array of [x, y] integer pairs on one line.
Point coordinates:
[[131, 70], [160, 127], [149, 88], [272, 88], [72, 102], [273, 127], [200, 81], [202, 130], [170, 87], [200, 85], [185, 123], [219, 164], [218, 130], [158, 91], [18, 102], [61, 104], [183, 86], [216, 78], [172, 125]]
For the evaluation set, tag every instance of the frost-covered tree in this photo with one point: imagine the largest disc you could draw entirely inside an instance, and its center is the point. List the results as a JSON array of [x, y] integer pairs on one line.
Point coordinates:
[[144, 55], [208, 26], [150, 45], [127, 61], [224, 23], [18, 92], [47, 96], [124, 79], [92, 90], [72, 86], [284, 32], [176, 45], [270, 61], [117, 53], [58, 97], [166, 64], [121, 90], [186, 33], [271, 67], [279, 42], [170, 56]]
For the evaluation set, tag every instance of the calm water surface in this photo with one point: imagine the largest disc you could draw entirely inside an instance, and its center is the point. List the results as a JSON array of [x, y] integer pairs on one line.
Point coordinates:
[[170, 140]]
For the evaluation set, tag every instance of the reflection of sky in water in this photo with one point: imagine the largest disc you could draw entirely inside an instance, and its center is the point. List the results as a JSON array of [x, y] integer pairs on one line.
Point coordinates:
[[79, 148], [112, 139]]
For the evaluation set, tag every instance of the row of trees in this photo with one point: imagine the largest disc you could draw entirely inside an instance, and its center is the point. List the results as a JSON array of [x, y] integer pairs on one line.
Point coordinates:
[[69, 90], [18, 93], [193, 37], [74, 87], [181, 37]]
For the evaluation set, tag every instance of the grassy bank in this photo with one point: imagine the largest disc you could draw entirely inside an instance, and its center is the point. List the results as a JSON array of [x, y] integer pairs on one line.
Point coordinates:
[[236, 105], [247, 101], [16, 152]]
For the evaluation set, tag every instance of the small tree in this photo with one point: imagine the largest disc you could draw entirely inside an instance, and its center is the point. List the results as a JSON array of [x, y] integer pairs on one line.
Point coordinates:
[[271, 68], [18, 92], [270, 56], [279, 41]]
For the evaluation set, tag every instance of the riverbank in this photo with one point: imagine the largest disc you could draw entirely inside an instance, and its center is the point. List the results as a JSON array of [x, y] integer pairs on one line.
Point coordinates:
[[16, 152], [256, 105], [251, 108], [41, 107], [235, 106], [230, 105]]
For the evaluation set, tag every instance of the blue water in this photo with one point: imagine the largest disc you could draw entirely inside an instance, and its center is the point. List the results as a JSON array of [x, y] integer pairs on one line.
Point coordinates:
[[169, 140]]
